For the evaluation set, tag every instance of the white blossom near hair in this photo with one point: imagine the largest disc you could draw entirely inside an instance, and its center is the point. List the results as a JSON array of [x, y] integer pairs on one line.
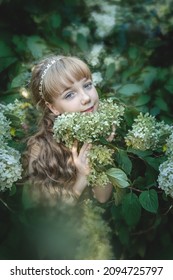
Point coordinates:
[[97, 78], [89, 127], [10, 167], [95, 53], [165, 178], [146, 133], [118, 60]]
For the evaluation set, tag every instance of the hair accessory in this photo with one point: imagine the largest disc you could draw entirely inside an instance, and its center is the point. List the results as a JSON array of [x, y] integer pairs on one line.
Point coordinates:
[[44, 73]]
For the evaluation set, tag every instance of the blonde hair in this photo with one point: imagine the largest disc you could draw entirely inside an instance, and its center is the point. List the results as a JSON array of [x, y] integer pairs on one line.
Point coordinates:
[[63, 72], [51, 169]]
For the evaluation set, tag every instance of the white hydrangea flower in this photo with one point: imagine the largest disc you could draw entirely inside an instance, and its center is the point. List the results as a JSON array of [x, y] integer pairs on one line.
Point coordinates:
[[97, 78], [109, 60], [146, 133], [74, 30], [17, 109], [95, 54], [10, 167], [105, 20], [165, 178], [104, 23], [4, 129], [89, 127], [118, 60], [169, 145]]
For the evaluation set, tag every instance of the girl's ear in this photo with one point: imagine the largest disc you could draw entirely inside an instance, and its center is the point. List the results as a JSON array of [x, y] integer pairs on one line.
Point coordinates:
[[52, 108]]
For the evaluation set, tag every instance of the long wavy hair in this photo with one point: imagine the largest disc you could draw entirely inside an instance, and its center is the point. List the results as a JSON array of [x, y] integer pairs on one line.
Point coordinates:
[[50, 165]]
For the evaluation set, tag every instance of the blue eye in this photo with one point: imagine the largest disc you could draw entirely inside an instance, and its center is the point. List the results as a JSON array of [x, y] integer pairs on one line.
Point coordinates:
[[88, 85], [69, 95]]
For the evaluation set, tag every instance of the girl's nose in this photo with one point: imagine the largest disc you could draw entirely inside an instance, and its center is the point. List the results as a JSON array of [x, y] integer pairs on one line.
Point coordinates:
[[85, 98]]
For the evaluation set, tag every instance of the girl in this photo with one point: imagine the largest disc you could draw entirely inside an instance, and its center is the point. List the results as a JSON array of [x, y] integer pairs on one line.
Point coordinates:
[[61, 84]]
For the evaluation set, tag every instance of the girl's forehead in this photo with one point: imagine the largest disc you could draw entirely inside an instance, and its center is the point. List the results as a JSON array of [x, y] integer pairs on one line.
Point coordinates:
[[72, 83]]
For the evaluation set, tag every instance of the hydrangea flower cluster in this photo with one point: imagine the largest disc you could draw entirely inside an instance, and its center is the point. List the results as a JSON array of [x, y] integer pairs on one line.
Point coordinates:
[[17, 109], [105, 20], [98, 156], [165, 178], [89, 127], [10, 167], [146, 133], [169, 146], [4, 129]]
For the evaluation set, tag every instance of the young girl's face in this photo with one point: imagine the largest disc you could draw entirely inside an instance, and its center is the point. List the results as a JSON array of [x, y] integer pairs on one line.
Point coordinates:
[[79, 96]]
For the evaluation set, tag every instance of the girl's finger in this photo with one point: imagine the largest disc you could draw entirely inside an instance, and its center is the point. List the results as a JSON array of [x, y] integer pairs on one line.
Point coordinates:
[[85, 148], [75, 148]]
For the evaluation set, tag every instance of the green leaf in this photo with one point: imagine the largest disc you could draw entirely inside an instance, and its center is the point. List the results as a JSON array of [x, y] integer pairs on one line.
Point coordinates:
[[6, 61], [160, 102], [37, 46], [110, 70], [118, 177], [140, 154], [133, 53], [123, 161], [148, 76], [20, 43], [142, 100], [131, 209], [130, 89], [20, 80], [82, 42], [169, 86], [154, 162], [5, 50], [55, 20], [149, 200], [119, 195], [123, 234]]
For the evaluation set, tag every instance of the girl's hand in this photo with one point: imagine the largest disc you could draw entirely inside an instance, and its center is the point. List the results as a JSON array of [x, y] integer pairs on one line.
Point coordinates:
[[81, 162], [81, 158], [112, 135]]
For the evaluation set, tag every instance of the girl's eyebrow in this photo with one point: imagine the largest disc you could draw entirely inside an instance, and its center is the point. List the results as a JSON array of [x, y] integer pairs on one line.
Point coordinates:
[[71, 88]]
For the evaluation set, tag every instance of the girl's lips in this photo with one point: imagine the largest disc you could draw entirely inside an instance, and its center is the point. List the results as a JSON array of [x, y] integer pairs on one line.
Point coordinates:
[[91, 109]]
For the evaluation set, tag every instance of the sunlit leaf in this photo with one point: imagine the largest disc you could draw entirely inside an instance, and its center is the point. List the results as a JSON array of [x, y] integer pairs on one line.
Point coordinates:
[[130, 89], [36, 45], [118, 177], [19, 80]]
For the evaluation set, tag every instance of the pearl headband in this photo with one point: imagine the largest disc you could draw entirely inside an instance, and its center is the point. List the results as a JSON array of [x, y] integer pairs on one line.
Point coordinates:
[[44, 73]]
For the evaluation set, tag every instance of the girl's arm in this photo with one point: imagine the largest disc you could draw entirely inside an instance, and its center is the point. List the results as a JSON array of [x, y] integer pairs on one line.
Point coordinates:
[[102, 194]]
